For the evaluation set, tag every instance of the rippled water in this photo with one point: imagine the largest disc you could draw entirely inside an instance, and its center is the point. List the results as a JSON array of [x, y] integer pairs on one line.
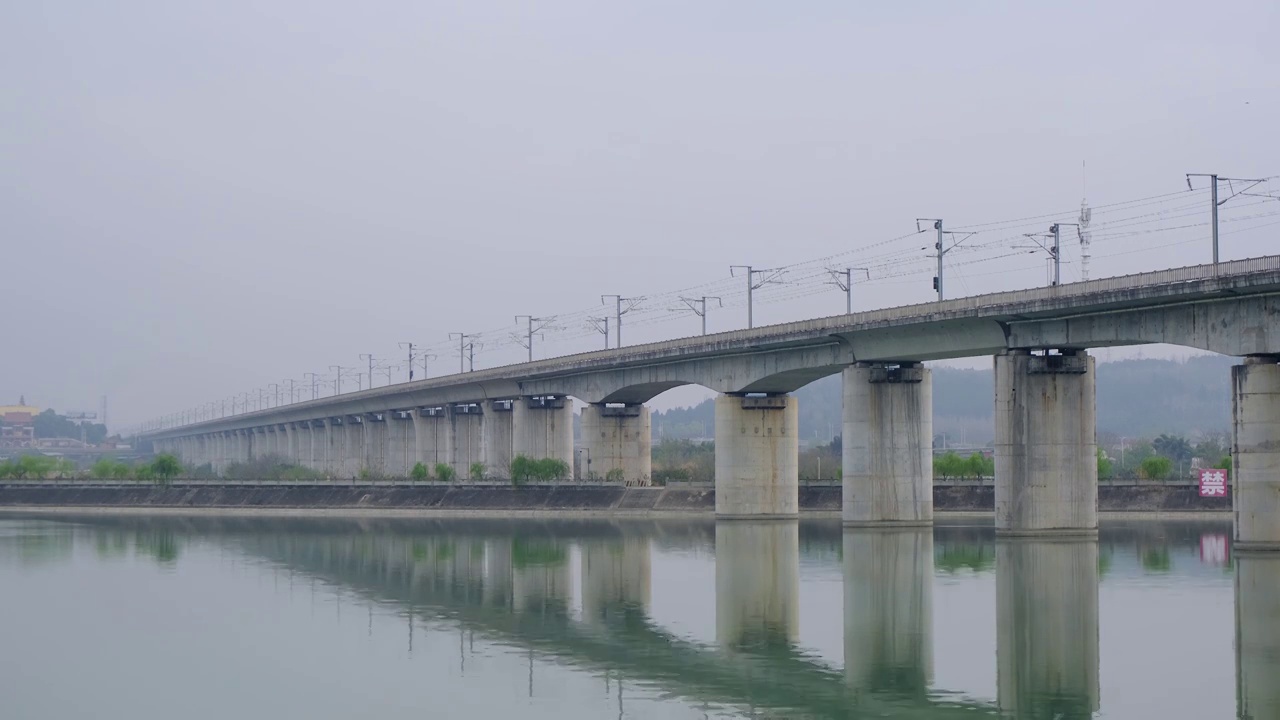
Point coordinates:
[[163, 617]]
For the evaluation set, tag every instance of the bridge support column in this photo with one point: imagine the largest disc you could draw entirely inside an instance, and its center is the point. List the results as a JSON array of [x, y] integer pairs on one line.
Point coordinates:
[[352, 456], [257, 438], [888, 610], [887, 445], [1047, 627], [328, 439], [618, 442], [375, 444], [467, 423], [542, 427], [499, 437], [290, 444], [1045, 449], [1255, 453], [400, 444], [433, 436], [757, 584], [1257, 635], [757, 456]]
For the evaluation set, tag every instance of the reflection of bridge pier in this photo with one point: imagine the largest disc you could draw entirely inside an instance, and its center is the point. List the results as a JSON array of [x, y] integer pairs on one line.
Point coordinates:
[[498, 572], [888, 610], [615, 573], [540, 578], [1047, 627], [1258, 635], [757, 583]]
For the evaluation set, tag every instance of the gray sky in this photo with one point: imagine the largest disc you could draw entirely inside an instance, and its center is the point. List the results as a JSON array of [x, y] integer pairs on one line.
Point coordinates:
[[205, 197]]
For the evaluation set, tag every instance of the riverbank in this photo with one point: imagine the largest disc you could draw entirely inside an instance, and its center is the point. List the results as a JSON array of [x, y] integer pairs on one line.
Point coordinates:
[[563, 500]]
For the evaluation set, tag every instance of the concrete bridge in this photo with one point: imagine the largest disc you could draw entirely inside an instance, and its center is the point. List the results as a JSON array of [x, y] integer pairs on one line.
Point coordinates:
[[1046, 473]]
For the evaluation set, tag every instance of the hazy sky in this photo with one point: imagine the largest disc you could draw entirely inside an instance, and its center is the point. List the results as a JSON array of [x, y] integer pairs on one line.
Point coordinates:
[[201, 198]]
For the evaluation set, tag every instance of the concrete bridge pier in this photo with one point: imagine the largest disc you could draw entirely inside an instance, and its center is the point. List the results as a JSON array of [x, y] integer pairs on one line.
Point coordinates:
[[1257, 635], [353, 446], [888, 610], [757, 584], [887, 444], [400, 444], [757, 456], [1047, 627], [270, 445], [499, 437], [291, 454], [375, 443], [618, 440], [325, 446], [1046, 461], [1255, 452], [257, 443], [542, 427], [433, 435], [468, 437], [310, 443]]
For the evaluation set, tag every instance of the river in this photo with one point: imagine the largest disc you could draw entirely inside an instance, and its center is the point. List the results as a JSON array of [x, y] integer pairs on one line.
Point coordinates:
[[146, 617]]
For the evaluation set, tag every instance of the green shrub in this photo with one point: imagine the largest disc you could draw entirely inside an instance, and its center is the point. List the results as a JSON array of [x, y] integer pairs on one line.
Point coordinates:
[[419, 472], [445, 472], [521, 470], [1105, 466], [144, 472], [103, 468], [34, 466], [1155, 467], [477, 471], [615, 475], [165, 467], [7, 469]]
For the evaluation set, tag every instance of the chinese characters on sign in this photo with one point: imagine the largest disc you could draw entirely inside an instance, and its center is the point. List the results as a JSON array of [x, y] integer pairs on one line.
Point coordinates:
[[1213, 482]]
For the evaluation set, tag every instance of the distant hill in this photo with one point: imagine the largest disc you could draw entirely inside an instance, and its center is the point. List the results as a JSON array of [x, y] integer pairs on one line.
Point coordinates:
[[1137, 398]]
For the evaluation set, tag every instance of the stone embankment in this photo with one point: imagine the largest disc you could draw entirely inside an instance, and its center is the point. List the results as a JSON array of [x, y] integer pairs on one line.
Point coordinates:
[[565, 498]]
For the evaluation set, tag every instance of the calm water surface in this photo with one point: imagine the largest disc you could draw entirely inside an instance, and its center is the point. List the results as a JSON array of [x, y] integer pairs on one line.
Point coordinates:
[[162, 617]]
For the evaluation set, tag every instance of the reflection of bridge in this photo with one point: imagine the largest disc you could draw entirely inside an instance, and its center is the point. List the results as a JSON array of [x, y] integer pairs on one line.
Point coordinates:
[[511, 581], [514, 583]]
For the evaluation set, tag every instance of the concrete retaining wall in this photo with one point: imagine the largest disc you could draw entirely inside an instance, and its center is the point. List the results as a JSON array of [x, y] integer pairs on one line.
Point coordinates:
[[567, 498]]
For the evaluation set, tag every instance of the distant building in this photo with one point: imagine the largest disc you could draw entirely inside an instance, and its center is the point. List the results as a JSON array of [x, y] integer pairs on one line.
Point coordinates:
[[18, 425]]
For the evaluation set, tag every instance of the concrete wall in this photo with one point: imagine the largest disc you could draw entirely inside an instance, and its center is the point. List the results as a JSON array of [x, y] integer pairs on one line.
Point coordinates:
[[1045, 448], [1255, 453], [887, 445], [757, 456]]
